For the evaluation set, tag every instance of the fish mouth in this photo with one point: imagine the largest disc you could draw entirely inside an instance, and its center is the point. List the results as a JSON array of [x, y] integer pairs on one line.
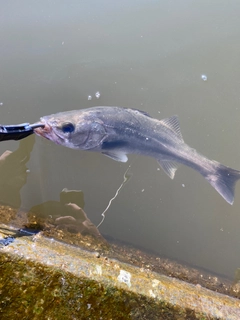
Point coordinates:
[[46, 130], [43, 130]]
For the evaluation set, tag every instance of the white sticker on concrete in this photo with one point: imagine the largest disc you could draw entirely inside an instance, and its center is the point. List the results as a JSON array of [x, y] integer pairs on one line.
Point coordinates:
[[125, 277]]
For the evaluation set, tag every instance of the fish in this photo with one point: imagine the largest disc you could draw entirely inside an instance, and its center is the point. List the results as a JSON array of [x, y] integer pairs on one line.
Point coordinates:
[[117, 132]]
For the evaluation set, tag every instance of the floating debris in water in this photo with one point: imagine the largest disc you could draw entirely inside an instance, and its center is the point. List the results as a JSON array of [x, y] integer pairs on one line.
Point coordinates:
[[89, 97], [204, 77], [97, 94], [1, 103], [183, 185]]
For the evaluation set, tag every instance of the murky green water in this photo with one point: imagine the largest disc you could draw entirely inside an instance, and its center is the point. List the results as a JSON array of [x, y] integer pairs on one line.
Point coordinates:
[[148, 55]]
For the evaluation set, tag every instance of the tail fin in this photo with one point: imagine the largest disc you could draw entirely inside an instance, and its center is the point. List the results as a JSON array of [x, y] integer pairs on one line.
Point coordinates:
[[224, 180]]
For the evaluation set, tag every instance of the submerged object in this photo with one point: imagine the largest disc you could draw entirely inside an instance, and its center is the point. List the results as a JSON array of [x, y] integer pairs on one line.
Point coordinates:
[[117, 131]]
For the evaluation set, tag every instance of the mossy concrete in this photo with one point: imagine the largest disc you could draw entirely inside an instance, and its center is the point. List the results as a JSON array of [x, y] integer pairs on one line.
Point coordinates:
[[41, 278]]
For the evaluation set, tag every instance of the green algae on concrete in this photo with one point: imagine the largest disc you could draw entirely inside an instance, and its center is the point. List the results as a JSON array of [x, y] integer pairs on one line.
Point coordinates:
[[43, 279], [35, 291]]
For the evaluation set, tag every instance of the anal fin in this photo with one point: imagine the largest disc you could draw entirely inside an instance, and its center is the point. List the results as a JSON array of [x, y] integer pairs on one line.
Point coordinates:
[[169, 167]]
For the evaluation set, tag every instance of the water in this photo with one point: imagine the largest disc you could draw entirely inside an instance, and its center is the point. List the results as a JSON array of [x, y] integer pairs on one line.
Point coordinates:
[[149, 55]]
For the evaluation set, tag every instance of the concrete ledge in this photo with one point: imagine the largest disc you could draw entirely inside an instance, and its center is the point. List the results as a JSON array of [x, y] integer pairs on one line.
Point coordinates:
[[44, 279]]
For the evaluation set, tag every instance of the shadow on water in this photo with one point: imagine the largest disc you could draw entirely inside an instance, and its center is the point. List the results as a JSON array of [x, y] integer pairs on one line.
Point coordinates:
[[64, 214], [13, 172]]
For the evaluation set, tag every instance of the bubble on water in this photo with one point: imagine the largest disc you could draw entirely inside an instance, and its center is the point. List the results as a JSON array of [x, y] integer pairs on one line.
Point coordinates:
[[183, 185], [62, 43], [89, 97], [1, 103], [204, 77], [97, 94]]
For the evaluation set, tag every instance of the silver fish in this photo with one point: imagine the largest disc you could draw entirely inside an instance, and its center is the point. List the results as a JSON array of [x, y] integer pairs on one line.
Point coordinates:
[[116, 132]]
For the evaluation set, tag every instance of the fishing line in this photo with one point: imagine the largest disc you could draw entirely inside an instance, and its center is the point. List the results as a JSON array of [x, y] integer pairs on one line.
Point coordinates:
[[127, 175]]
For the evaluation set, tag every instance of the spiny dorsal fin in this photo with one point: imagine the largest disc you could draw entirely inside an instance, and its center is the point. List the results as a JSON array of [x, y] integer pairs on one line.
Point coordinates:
[[142, 112], [173, 124]]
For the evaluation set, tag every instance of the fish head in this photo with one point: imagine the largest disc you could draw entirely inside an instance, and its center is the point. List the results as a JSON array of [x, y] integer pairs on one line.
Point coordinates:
[[73, 129]]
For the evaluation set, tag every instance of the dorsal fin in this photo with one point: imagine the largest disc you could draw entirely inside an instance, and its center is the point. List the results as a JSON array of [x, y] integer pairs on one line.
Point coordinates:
[[173, 124], [142, 112]]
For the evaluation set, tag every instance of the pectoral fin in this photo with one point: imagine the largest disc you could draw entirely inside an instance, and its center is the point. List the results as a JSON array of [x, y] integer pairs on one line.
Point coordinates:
[[116, 155], [169, 167]]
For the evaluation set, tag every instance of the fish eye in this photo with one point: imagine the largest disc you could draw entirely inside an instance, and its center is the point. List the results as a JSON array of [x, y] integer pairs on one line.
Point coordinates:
[[68, 127]]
